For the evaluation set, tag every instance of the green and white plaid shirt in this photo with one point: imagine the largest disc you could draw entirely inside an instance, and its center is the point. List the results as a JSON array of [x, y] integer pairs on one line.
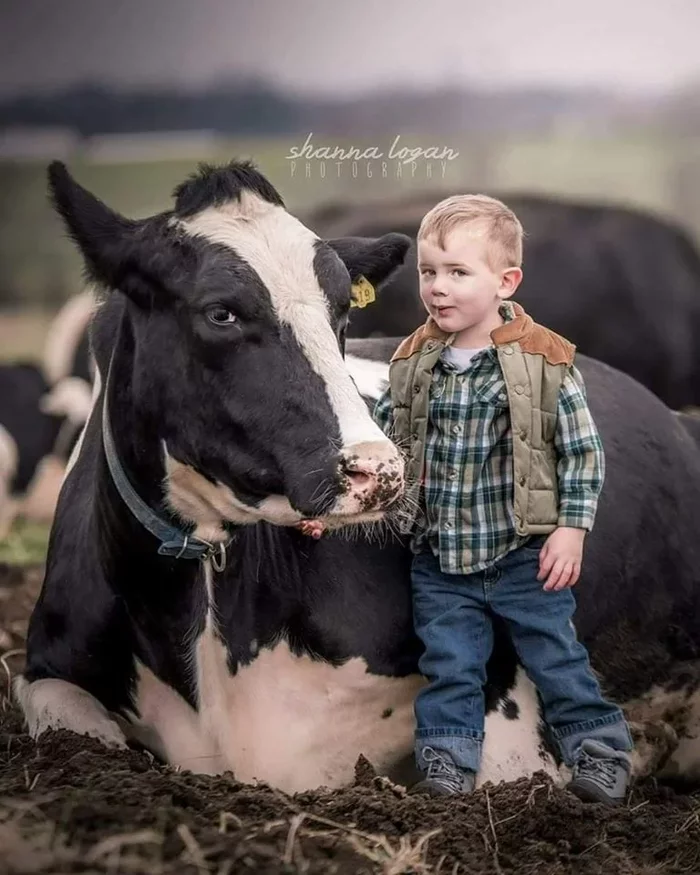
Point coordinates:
[[466, 512]]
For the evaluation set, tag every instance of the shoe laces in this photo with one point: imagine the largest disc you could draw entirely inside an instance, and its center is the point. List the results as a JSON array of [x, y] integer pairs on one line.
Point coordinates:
[[604, 771], [441, 768]]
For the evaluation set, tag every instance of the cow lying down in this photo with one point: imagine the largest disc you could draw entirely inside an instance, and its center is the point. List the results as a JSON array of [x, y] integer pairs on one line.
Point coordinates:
[[39, 426], [181, 610]]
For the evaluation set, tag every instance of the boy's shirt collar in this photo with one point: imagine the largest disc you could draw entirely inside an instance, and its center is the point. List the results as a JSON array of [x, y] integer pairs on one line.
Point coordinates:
[[507, 313], [517, 327]]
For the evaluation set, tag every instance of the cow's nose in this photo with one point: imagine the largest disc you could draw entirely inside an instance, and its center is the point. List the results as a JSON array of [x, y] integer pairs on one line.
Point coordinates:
[[373, 470], [360, 474]]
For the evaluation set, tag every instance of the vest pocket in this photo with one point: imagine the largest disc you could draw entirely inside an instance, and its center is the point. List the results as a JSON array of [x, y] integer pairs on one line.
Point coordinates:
[[549, 426], [543, 469]]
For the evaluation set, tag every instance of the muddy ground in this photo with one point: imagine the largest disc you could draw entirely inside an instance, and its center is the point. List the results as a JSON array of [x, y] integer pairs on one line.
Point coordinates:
[[67, 805]]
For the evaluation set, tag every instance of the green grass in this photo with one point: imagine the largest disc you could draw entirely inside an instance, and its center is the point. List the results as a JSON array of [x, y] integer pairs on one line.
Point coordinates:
[[26, 544]]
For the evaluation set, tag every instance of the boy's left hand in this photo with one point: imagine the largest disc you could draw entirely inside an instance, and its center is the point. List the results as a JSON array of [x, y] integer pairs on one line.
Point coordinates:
[[560, 558]]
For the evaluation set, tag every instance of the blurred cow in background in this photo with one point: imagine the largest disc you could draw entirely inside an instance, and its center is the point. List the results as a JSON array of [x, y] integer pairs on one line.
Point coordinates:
[[43, 408], [621, 284]]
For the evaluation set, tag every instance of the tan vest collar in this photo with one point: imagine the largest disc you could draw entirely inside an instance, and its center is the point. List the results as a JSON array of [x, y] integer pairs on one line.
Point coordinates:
[[520, 329]]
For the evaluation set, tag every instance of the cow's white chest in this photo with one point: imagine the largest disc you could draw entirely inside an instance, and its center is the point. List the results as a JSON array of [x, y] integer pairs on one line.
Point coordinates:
[[298, 723], [512, 745]]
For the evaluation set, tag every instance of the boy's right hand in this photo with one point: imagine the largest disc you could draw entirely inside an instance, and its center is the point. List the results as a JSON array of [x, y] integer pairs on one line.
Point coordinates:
[[314, 528]]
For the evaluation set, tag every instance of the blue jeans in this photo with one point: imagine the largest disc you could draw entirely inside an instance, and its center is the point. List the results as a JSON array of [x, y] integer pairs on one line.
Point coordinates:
[[451, 616]]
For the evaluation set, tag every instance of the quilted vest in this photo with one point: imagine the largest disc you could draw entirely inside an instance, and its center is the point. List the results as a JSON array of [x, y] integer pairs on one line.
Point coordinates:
[[534, 361]]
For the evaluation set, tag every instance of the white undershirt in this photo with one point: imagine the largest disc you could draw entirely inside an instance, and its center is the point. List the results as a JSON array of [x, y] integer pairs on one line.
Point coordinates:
[[460, 357]]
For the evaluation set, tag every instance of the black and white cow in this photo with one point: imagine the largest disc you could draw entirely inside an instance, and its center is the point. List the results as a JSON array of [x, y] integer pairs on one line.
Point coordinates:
[[180, 607], [43, 407], [38, 429]]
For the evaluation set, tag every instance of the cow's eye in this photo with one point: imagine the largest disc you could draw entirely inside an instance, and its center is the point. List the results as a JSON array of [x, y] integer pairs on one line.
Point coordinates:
[[221, 315]]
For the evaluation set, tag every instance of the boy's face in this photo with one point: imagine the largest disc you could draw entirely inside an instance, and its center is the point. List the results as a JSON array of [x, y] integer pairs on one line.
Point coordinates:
[[460, 286]]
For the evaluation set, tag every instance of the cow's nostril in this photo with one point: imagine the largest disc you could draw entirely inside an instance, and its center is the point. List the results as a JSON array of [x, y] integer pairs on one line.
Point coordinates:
[[360, 475], [359, 478]]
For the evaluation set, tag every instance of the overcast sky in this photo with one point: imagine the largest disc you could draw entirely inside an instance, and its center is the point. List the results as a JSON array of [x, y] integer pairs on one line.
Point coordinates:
[[342, 46]]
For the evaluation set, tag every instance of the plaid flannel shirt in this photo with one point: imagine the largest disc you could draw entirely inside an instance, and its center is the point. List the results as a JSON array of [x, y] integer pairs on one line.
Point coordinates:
[[466, 512]]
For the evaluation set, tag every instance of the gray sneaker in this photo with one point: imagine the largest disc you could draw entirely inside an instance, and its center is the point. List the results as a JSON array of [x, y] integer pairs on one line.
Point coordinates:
[[600, 774], [444, 777]]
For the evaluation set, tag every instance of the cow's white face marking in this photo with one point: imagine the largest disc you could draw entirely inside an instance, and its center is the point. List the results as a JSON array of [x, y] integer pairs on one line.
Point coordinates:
[[512, 747], [281, 250], [371, 378]]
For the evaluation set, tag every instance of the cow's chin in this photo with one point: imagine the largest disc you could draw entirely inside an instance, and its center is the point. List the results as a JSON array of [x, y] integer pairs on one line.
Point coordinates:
[[277, 510], [210, 505], [340, 520]]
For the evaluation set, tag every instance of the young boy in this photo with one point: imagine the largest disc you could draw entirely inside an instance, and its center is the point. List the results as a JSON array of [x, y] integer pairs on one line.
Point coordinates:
[[508, 466]]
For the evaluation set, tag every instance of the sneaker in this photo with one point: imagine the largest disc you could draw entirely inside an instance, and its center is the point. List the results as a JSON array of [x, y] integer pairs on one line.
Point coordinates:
[[444, 777], [600, 774]]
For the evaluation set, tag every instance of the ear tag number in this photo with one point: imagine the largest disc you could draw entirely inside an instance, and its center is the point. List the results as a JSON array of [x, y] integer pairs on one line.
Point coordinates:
[[362, 293]]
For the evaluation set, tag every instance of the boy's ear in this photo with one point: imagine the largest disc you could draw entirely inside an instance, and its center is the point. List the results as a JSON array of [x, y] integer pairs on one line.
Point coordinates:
[[510, 280]]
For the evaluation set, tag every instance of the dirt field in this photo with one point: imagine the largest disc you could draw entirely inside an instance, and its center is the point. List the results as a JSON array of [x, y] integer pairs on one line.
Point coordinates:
[[67, 805]]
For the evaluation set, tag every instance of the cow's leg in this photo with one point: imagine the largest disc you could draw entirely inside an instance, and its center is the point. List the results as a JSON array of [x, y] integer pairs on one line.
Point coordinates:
[[170, 728], [80, 661], [684, 762], [666, 726], [654, 743], [50, 703]]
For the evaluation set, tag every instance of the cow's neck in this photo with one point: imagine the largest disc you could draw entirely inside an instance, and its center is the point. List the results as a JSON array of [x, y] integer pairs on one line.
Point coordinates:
[[135, 437]]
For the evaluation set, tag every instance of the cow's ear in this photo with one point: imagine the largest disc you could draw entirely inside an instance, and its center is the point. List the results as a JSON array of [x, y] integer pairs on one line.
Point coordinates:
[[116, 250], [374, 258]]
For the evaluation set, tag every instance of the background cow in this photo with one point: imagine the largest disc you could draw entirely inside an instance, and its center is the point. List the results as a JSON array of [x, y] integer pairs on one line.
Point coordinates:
[[624, 286], [181, 608], [38, 429], [43, 407]]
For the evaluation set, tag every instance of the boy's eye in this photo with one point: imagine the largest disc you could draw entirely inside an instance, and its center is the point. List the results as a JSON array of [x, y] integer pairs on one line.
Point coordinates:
[[460, 272]]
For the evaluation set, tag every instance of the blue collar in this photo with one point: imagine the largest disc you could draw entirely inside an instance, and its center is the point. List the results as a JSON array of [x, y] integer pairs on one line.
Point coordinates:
[[174, 540]]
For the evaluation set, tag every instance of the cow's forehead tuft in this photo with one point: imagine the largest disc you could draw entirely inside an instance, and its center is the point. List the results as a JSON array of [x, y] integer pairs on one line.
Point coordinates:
[[213, 186]]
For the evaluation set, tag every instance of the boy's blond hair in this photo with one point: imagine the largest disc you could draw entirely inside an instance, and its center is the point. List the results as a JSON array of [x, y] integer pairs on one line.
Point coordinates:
[[504, 231]]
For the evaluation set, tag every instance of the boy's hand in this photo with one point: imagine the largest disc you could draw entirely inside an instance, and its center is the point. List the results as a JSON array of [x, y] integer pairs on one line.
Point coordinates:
[[314, 528], [560, 558]]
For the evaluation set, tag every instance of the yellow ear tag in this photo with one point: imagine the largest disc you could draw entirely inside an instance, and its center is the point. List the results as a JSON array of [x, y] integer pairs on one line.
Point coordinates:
[[362, 293]]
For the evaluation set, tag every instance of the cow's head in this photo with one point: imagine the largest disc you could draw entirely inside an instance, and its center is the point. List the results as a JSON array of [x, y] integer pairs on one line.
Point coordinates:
[[238, 313]]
